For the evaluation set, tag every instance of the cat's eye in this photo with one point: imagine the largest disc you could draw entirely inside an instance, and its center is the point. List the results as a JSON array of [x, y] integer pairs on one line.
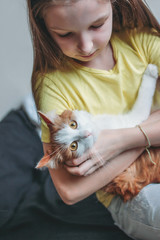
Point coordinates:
[[73, 124], [73, 146]]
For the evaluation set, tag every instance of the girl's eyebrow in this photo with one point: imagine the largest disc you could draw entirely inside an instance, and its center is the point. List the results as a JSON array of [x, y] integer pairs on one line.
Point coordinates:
[[96, 21]]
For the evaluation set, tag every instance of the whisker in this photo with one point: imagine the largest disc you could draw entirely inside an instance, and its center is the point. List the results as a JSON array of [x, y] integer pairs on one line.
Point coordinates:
[[101, 161], [60, 149], [101, 165]]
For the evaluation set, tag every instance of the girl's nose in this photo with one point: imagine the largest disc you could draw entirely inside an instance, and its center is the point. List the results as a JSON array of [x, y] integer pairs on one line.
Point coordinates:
[[85, 44]]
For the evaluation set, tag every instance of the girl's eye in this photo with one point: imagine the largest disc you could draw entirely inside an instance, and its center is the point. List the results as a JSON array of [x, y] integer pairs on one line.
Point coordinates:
[[97, 26], [73, 146], [73, 124], [65, 35], [69, 33]]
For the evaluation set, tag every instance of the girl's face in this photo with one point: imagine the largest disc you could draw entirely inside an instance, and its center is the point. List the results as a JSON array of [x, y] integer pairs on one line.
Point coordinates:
[[82, 29]]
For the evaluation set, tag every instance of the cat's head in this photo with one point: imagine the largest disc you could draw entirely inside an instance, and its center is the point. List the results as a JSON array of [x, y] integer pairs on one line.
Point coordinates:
[[71, 134]]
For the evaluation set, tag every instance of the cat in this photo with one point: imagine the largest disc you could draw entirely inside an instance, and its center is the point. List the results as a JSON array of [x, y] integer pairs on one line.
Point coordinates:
[[74, 132]]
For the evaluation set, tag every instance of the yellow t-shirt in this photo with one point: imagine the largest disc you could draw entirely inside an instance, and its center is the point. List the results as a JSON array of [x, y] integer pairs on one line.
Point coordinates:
[[99, 91]]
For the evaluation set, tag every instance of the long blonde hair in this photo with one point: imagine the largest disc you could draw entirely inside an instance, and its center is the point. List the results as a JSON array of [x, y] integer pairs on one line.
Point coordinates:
[[48, 56]]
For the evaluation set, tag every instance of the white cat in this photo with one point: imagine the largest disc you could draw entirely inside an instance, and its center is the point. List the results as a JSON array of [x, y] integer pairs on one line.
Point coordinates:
[[74, 132]]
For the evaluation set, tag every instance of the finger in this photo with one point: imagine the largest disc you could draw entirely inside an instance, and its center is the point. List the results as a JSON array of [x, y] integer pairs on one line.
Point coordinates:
[[92, 170], [74, 170], [81, 169], [69, 163], [71, 170], [83, 158], [98, 164], [75, 162], [98, 159]]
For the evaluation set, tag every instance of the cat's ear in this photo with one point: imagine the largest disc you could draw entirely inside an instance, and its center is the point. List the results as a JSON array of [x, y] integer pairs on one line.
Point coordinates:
[[45, 118], [44, 161]]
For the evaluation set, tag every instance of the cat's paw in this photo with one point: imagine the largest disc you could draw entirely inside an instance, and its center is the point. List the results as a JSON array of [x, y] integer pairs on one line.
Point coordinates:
[[152, 70]]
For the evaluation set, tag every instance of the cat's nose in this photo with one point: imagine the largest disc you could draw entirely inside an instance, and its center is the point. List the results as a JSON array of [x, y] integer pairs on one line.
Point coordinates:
[[87, 134]]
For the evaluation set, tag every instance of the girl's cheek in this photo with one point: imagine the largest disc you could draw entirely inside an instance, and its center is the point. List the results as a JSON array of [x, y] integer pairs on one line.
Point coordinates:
[[102, 38], [62, 43], [67, 49], [67, 46]]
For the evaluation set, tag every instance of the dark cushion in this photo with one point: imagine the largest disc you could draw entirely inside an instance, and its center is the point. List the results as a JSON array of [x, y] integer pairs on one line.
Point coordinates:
[[30, 207]]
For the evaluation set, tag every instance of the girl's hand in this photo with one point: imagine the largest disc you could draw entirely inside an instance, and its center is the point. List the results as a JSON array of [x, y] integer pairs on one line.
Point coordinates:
[[109, 144], [73, 189]]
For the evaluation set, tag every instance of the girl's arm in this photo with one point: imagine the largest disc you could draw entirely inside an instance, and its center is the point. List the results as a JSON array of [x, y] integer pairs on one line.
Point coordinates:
[[113, 142], [73, 188]]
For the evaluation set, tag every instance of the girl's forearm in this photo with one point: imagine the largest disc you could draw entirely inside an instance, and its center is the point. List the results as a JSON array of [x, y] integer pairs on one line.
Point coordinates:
[[74, 188], [152, 128], [134, 137]]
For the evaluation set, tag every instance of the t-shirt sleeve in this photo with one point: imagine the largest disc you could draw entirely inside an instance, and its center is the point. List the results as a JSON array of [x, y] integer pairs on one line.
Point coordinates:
[[154, 51], [49, 97], [151, 46]]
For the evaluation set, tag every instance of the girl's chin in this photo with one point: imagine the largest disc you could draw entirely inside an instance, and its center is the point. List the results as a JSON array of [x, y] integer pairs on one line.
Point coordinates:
[[85, 58]]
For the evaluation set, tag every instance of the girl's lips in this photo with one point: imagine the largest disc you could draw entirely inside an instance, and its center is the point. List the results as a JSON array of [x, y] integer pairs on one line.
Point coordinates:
[[88, 56]]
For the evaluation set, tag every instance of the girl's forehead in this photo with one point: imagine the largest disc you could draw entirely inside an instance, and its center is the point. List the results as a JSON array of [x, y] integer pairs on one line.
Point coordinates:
[[79, 12]]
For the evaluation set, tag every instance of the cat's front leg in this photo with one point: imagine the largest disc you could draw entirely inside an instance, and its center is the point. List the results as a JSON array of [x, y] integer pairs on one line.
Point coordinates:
[[142, 107]]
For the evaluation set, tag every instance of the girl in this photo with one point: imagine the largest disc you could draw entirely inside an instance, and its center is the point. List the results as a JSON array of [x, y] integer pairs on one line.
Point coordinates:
[[91, 55]]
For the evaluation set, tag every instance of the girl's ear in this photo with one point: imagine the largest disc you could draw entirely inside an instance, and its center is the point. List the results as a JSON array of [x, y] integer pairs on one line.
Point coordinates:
[[44, 161], [45, 118]]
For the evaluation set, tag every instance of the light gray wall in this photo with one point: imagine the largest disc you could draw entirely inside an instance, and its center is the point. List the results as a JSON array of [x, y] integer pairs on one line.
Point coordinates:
[[155, 7], [16, 52]]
